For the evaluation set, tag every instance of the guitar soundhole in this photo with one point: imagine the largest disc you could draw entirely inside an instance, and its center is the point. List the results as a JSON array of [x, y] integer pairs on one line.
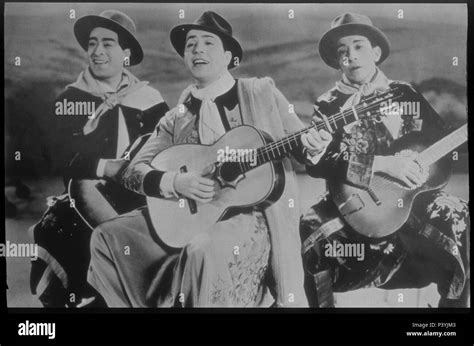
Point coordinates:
[[230, 171]]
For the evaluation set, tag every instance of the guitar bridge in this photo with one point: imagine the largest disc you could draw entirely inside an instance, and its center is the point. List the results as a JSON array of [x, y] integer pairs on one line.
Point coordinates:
[[353, 204]]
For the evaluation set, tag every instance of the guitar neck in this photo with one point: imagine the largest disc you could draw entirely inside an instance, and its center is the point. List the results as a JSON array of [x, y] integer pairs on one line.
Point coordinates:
[[371, 107], [436, 151], [281, 148]]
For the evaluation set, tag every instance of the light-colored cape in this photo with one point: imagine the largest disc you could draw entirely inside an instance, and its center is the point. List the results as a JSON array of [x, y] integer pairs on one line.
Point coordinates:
[[265, 107]]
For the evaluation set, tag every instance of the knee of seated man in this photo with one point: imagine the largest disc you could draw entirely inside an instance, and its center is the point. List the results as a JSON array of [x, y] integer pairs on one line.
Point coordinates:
[[102, 232], [199, 246]]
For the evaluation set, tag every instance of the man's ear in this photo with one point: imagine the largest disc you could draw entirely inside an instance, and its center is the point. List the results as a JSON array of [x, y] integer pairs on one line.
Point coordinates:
[[377, 52], [127, 52], [228, 56]]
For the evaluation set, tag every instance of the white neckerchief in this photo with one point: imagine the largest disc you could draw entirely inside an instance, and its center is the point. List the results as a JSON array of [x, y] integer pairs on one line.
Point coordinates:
[[123, 139], [210, 125], [379, 82]]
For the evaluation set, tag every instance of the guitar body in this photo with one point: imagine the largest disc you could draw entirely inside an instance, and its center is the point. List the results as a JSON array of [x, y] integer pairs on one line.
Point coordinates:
[[385, 209], [177, 221], [97, 201], [174, 220]]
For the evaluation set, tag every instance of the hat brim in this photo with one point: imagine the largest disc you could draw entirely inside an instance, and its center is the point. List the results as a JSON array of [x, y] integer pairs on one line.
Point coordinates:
[[178, 40], [84, 26], [327, 44]]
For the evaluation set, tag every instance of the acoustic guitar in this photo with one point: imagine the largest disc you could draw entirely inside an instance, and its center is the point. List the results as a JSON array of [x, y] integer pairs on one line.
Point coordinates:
[[241, 184], [99, 200], [383, 207]]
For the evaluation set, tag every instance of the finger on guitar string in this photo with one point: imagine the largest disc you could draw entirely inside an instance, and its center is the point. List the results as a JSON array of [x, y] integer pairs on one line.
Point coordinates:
[[416, 172], [208, 171], [192, 185], [414, 179], [325, 135], [316, 139], [202, 194], [206, 181], [407, 182], [312, 141], [316, 119], [306, 144], [206, 188]]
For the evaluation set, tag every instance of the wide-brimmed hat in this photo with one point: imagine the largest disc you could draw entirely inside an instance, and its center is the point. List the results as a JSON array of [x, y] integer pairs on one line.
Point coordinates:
[[351, 24], [214, 23], [113, 20]]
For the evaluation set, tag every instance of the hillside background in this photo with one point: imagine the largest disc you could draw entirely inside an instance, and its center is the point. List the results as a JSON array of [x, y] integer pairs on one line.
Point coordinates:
[[424, 43]]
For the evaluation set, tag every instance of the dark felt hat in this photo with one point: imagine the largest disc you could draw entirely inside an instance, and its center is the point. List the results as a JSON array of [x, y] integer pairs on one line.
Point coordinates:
[[113, 20], [211, 22], [351, 24]]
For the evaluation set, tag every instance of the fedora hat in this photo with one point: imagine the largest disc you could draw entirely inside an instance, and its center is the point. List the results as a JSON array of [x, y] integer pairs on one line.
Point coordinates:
[[351, 24], [211, 22], [113, 20]]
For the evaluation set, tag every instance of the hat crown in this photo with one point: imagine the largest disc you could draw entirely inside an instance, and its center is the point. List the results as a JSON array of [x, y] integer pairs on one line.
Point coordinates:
[[214, 21], [211, 22], [351, 18], [348, 24], [116, 21], [121, 19]]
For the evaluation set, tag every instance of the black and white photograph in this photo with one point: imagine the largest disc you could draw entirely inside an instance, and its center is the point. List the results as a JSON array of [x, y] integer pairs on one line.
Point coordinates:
[[245, 155]]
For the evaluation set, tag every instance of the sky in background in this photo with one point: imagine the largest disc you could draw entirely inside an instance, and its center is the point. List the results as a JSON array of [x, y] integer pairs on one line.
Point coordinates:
[[423, 42], [442, 13]]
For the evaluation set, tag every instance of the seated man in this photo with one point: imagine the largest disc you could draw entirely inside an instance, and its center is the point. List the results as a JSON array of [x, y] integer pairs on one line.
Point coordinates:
[[207, 272], [101, 115], [433, 245]]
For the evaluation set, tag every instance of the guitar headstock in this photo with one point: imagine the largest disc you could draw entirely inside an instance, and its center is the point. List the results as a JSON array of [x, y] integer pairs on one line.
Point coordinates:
[[380, 104]]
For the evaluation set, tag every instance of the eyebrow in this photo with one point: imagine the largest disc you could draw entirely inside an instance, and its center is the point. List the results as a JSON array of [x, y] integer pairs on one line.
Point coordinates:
[[355, 41], [194, 36], [104, 39]]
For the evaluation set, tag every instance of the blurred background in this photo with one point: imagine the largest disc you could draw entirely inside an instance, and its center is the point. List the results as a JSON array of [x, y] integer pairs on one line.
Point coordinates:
[[428, 49]]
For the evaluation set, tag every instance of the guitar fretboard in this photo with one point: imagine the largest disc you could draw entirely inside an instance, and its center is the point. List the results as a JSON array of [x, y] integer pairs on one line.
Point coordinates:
[[371, 107], [443, 146]]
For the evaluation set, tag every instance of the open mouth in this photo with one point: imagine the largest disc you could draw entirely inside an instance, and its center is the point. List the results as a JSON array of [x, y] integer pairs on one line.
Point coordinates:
[[99, 62], [355, 68], [200, 62]]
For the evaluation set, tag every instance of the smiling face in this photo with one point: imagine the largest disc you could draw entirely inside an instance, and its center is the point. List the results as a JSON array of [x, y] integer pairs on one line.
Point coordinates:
[[105, 55], [357, 58], [205, 57]]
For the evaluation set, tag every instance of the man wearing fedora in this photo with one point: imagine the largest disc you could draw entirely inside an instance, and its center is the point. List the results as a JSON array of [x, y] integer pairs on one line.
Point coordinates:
[[120, 109], [208, 272], [432, 246]]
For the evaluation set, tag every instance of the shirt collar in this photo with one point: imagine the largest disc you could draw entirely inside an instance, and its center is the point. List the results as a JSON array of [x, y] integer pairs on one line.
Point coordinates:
[[228, 100]]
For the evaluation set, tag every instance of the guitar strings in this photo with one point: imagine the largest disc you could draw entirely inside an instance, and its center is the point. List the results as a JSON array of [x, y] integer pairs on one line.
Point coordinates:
[[319, 126], [343, 114], [452, 140], [361, 108], [276, 145]]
